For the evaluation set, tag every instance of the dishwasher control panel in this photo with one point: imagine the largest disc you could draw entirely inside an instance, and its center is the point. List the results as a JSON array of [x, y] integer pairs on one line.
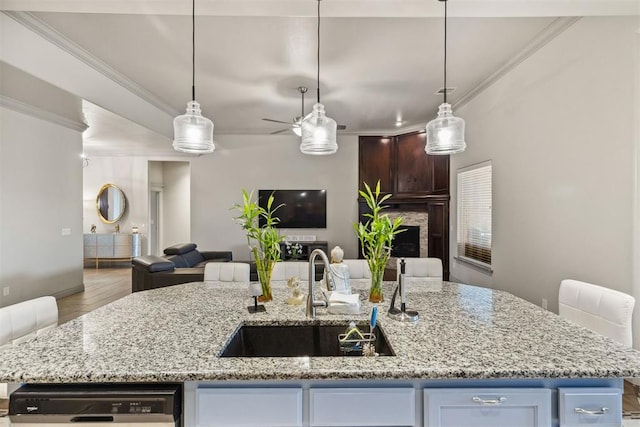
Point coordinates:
[[131, 403]]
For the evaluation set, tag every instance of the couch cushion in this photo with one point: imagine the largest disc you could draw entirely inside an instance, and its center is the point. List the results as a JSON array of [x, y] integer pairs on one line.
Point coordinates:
[[202, 264], [178, 261], [193, 258], [180, 249], [152, 263]]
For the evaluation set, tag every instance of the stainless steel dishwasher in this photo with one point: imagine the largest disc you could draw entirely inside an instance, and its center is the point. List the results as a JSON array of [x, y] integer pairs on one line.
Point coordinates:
[[88, 405]]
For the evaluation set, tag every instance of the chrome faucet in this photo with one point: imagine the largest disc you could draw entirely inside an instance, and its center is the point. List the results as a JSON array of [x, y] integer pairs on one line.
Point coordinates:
[[311, 302]]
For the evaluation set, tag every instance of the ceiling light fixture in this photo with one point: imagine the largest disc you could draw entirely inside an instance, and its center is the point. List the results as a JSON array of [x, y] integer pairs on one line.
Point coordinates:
[[298, 120], [318, 130], [445, 133], [193, 133]]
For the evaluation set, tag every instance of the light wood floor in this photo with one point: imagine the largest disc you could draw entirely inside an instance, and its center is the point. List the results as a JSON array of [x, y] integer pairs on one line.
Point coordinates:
[[106, 285], [101, 287]]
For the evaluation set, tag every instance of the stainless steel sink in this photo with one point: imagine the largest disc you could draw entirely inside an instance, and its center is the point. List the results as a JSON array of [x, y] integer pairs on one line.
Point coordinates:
[[296, 341]]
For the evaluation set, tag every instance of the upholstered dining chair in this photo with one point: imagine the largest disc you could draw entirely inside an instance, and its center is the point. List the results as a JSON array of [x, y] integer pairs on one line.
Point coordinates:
[[284, 269], [603, 310], [358, 268], [24, 321], [227, 272], [430, 268]]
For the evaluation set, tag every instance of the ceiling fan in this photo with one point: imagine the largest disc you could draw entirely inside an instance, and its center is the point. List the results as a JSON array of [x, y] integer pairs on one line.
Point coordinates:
[[297, 121]]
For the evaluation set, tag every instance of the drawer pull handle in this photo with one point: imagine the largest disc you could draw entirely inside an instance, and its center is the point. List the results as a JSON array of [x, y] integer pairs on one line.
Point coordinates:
[[597, 412], [481, 401]]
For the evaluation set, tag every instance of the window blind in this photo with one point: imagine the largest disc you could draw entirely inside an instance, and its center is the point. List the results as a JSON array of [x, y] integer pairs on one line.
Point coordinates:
[[474, 213]]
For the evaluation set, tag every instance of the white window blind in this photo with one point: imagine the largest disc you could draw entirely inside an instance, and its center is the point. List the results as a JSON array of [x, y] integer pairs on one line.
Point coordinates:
[[474, 213]]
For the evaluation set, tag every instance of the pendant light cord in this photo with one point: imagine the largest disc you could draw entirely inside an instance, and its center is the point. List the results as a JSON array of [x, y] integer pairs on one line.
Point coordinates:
[[445, 51], [193, 50], [318, 56]]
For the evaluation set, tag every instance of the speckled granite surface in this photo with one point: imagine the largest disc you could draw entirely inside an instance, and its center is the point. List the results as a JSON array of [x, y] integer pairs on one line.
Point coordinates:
[[176, 333]]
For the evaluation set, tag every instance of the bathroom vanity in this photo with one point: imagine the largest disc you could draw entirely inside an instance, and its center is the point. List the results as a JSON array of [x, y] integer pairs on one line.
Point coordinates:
[[476, 357]]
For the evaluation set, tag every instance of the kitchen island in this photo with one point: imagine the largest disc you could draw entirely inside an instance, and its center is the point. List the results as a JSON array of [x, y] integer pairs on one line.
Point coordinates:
[[467, 338]]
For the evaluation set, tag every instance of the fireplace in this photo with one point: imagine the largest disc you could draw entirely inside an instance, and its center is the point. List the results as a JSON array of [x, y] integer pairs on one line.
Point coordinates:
[[407, 243]]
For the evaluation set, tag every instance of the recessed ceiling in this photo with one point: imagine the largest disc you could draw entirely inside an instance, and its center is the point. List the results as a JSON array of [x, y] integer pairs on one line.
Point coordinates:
[[380, 66], [372, 69]]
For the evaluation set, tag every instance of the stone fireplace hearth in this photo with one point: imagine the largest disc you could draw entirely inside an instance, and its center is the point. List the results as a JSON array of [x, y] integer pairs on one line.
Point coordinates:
[[412, 218]]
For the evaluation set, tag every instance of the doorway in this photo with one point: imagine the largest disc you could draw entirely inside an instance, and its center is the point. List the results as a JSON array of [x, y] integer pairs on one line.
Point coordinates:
[[155, 221]]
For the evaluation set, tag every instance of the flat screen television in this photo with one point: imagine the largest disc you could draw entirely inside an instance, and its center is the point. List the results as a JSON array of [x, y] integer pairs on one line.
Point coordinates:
[[302, 208]]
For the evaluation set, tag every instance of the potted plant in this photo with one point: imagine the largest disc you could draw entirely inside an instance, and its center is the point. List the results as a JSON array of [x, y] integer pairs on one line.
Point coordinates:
[[376, 237], [264, 241]]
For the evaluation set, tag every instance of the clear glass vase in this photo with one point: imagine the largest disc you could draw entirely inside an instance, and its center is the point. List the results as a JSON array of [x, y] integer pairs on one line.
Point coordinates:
[[264, 269], [375, 292]]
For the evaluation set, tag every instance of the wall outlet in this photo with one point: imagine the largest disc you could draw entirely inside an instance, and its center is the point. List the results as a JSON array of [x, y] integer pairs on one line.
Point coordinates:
[[65, 232], [544, 303], [5, 291]]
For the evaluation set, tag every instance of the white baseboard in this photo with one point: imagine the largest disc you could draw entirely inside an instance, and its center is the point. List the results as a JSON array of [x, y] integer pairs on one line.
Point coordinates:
[[67, 292]]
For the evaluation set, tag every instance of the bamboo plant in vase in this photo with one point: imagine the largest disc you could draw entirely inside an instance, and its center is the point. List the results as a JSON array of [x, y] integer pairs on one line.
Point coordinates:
[[376, 237], [264, 240]]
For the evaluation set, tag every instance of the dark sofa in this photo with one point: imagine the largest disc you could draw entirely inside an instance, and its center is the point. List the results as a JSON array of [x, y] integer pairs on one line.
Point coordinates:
[[182, 263]]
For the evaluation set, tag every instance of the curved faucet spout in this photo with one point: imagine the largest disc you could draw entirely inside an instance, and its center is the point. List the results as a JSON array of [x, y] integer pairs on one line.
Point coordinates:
[[311, 302]]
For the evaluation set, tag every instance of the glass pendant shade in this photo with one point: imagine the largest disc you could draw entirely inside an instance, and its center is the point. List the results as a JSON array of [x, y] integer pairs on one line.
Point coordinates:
[[297, 125], [445, 133], [193, 133], [319, 133]]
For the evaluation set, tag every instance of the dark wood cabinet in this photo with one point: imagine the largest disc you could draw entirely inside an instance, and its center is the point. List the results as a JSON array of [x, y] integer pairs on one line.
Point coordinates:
[[438, 212], [375, 159], [402, 166], [417, 182], [413, 170]]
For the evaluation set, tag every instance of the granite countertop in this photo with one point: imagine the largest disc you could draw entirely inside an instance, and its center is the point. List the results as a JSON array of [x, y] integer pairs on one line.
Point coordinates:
[[176, 334]]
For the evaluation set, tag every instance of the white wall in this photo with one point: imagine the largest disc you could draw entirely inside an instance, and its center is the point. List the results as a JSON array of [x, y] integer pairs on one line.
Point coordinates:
[[265, 162], [127, 173], [176, 205], [561, 131], [203, 216], [40, 194]]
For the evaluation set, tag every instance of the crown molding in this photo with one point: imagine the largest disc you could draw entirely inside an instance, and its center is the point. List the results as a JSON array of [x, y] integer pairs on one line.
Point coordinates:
[[39, 113], [58, 39], [336, 8], [553, 30]]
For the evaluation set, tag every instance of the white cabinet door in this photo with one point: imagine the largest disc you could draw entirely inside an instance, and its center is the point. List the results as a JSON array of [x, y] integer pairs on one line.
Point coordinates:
[[581, 406], [486, 407], [366, 407], [249, 407]]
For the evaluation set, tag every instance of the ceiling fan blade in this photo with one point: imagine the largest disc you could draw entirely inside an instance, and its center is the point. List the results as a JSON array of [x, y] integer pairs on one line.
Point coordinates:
[[279, 131], [277, 121], [342, 127]]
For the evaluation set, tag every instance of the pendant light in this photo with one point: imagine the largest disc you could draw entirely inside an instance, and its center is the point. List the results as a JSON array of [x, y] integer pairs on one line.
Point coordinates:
[[445, 133], [318, 130], [193, 133]]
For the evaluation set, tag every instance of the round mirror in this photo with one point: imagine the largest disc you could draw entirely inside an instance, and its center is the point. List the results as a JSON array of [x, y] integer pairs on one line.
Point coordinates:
[[110, 203]]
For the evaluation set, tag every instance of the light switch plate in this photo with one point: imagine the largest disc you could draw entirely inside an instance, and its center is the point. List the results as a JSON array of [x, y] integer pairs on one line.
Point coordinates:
[[65, 232]]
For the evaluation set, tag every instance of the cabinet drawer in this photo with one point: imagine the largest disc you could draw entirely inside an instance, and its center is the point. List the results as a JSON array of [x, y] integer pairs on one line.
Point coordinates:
[[105, 251], [105, 239], [598, 406], [487, 407], [90, 239], [362, 407], [122, 251], [90, 252], [249, 407], [122, 239]]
